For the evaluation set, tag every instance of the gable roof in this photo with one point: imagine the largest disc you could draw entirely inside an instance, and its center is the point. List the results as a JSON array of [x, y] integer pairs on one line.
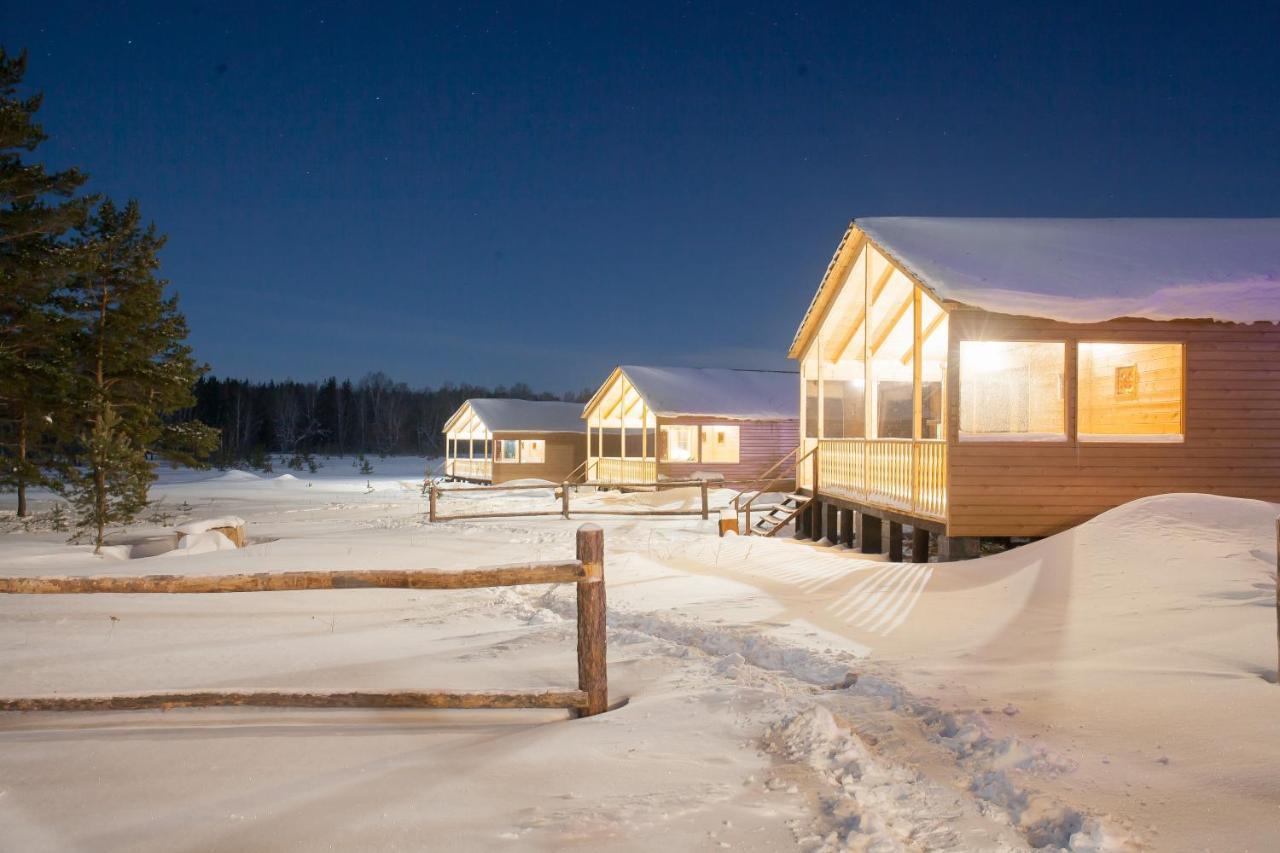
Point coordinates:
[[1085, 270], [712, 392], [500, 415]]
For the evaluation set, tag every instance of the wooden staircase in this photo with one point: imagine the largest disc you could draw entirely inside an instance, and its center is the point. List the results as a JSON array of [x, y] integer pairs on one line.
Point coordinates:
[[771, 519], [776, 517]]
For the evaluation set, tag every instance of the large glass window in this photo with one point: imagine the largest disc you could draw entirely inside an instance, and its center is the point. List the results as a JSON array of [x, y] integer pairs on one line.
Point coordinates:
[[1130, 392], [1012, 390], [508, 450], [533, 451], [720, 444], [891, 347], [844, 413], [679, 443]]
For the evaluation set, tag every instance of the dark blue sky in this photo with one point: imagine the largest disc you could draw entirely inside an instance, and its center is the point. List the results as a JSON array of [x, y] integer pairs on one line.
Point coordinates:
[[504, 192]]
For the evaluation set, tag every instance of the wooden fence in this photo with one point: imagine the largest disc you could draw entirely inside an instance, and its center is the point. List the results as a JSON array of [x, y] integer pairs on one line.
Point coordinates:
[[566, 509], [587, 571]]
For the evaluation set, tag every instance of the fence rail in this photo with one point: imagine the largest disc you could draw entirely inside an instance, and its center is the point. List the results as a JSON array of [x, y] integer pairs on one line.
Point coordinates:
[[566, 509], [587, 571]]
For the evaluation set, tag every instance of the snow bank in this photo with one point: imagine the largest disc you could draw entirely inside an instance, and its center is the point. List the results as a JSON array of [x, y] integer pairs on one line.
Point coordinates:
[[192, 527], [204, 542]]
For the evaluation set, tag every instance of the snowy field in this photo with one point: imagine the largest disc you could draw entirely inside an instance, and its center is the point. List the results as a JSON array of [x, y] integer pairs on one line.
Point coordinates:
[[1111, 688]]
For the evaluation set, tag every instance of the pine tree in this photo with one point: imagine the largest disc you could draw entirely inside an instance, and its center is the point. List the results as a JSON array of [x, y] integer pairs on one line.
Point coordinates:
[[36, 208], [134, 367]]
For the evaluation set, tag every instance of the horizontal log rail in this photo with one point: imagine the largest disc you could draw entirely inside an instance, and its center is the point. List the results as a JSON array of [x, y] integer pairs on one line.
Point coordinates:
[[587, 571], [566, 509]]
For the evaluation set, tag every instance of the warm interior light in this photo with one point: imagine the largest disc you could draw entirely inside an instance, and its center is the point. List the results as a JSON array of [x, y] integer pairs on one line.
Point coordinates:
[[984, 357]]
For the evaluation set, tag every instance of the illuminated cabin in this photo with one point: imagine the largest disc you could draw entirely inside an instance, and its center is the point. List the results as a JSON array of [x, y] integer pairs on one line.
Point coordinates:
[[493, 441], [1016, 377], [645, 424]]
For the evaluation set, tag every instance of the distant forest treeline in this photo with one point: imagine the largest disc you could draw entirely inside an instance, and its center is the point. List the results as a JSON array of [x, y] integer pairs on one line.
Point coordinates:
[[375, 415]]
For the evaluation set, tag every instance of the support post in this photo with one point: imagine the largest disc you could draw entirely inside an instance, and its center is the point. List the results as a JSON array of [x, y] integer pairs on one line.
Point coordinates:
[[435, 495], [895, 541], [593, 678], [564, 499], [919, 545], [706, 506], [952, 548], [846, 527], [818, 510], [869, 533], [833, 524], [802, 522]]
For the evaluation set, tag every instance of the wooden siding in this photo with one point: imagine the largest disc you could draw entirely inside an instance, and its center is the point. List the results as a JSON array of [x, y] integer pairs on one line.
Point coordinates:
[[761, 444], [1231, 419], [564, 452]]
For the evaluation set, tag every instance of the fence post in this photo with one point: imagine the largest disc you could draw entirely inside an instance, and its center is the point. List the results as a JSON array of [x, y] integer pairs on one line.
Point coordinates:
[[564, 499], [593, 677], [815, 470], [705, 505], [434, 495]]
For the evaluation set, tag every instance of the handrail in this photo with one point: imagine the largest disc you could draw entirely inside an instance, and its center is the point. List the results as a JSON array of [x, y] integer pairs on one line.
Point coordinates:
[[776, 480], [764, 478], [582, 466]]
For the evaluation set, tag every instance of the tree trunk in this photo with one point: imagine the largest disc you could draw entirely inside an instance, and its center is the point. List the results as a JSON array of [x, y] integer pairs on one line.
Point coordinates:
[[99, 476], [22, 465]]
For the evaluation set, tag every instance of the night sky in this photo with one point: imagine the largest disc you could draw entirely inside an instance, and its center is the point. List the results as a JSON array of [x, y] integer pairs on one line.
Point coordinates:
[[535, 192]]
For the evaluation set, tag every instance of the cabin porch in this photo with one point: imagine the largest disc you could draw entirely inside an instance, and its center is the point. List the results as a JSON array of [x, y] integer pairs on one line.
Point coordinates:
[[901, 475]]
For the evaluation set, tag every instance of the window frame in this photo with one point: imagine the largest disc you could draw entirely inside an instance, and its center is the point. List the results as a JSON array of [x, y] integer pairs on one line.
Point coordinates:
[[664, 444], [501, 458], [1065, 390], [1129, 439], [528, 441]]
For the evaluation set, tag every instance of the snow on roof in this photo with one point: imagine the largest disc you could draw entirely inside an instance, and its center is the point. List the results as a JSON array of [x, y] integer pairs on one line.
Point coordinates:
[[528, 415], [716, 392], [1092, 270]]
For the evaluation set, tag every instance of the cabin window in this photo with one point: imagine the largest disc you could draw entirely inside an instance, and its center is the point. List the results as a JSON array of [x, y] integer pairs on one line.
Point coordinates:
[[533, 451], [1130, 392], [1012, 391], [679, 443], [508, 450], [891, 351], [720, 444]]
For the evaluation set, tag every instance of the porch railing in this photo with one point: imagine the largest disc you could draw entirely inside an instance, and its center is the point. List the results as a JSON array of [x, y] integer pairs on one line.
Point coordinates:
[[602, 469], [472, 469], [900, 474]]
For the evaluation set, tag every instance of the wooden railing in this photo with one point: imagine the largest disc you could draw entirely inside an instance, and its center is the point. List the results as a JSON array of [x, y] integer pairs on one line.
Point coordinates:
[[604, 469], [771, 481], [471, 469], [565, 492], [893, 473], [587, 571]]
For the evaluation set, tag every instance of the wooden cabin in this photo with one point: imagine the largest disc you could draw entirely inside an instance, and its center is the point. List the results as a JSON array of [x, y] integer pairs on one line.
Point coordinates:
[[1016, 377], [493, 441], [647, 424]]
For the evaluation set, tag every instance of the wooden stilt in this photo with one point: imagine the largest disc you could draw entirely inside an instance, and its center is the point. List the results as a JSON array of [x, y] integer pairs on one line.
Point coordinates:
[[846, 527], [951, 548], [895, 541], [919, 545], [832, 525], [869, 533]]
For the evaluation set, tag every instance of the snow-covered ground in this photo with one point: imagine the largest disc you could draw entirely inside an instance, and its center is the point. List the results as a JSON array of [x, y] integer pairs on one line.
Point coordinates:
[[1109, 688]]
